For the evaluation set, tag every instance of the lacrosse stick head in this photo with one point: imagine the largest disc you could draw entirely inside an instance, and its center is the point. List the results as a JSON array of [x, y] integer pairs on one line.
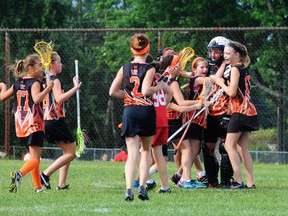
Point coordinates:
[[44, 50], [80, 149], [208, 88], [187, 54]]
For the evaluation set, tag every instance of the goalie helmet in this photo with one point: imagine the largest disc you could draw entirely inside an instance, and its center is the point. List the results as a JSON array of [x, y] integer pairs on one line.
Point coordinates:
[[218, 42]]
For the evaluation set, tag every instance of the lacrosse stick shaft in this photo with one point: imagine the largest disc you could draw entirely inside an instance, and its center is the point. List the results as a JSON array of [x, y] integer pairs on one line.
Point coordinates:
[[213, 99], [47, 73], [77, 96]]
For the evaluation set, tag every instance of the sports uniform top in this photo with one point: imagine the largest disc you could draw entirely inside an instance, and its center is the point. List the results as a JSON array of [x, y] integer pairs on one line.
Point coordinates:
[[241, 103], [220, 106], [133, 76], [194, 94], [172, 114], [49, 113], [28, 116], [160, 108]]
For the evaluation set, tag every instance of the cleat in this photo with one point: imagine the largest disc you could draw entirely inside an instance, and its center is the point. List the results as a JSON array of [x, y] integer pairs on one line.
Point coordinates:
[[167, 190], [39, 190], [16, 178], [129, 196], [150, 185], [135, 184], [63, 188], [251, 187], [175, 178], [45, 180], [203, 179], [142, 193], [180, 183], [224, 185], [237, 185], [193, 184]]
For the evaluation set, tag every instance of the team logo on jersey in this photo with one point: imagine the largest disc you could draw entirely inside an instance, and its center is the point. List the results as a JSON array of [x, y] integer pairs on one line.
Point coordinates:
[[134, 71]]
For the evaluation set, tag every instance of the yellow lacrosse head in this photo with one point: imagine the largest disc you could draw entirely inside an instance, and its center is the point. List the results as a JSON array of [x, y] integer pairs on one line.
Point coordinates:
[[187, 54], [44, 50]]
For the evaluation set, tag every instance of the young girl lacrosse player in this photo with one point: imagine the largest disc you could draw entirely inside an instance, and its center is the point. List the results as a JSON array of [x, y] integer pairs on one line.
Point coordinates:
[[139, 118], [29, 124], [244, 118], [56, 131]]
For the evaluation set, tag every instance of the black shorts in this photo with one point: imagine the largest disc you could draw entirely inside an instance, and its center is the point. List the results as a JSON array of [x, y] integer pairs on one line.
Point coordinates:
[[174, 125], [239, 122], [138, 120], [216, 127], [194, 132], [56, 131], [165, 150], [34, 139]]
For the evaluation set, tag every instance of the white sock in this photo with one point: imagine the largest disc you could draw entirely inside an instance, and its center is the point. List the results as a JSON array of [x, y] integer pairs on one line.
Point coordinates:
[[201, 174], [152, 170]]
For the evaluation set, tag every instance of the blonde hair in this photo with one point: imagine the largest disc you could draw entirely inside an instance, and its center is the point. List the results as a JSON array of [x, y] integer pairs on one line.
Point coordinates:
[[242, 50], [53, 57], [21, 67]]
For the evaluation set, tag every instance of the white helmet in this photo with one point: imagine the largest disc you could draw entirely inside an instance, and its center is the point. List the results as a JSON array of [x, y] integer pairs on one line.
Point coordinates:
[[218, 42]]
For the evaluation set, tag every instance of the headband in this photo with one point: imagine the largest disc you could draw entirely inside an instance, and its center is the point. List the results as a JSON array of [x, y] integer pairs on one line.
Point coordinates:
[[235, 47], [140, 52]]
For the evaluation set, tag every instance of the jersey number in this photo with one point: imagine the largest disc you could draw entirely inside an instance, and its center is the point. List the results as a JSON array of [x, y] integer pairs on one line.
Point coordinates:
[[136, 81], [22, 105]]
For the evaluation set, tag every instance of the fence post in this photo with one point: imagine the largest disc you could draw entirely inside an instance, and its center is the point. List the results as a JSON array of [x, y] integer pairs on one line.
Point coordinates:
[[7, 102]]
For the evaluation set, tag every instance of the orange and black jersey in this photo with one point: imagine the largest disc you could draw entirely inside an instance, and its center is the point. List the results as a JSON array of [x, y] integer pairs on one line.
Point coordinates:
[[133, 76], [241, 103], [172, 114], [220, 106], [28, 116], [49, 113], [194, 94]]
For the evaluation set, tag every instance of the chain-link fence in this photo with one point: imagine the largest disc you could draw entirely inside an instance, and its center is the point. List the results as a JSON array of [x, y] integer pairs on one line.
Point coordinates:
[[101, 52]]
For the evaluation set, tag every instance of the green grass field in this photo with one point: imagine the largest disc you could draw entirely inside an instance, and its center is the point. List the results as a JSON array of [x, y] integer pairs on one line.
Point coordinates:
[[97, 188]]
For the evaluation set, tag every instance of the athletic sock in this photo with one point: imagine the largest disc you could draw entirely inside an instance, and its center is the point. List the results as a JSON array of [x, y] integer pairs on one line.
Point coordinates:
[[152, 170], [36, 176], [201, 174], [28, 166]]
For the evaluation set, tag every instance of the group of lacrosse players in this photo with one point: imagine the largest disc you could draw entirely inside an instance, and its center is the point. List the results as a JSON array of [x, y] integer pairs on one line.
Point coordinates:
[[36, 119], [215, 108]]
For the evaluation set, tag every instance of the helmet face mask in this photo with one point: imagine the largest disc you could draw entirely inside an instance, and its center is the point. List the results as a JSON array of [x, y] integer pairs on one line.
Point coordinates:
[[218, 42]]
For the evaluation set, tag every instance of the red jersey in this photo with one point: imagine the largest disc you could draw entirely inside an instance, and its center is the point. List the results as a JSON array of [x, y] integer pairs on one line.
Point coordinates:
[[160, 108], [28, 116]]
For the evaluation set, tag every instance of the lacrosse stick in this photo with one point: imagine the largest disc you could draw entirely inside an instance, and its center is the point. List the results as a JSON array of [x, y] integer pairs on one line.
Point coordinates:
[[45, 52], [80, 149], [187, 54], [213, 100]]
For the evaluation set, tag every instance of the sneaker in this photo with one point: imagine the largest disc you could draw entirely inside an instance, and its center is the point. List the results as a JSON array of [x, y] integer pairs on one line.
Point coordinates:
[[135, 184], [203, 179], [224, 185], [142, 193], [39, 190], [180, 183], [193, 184], [129, 196], [251, 187], [167, 190], [63, 188], [150, 185], [175, 178], [16, 178], [237, 185], [45, 180]]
